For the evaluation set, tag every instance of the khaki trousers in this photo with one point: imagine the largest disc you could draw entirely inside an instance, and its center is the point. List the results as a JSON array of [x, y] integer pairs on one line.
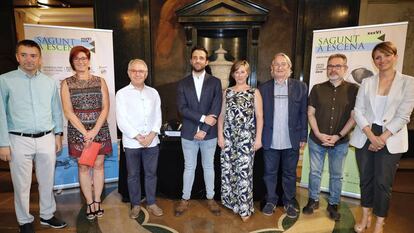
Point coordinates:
[[25, 151]]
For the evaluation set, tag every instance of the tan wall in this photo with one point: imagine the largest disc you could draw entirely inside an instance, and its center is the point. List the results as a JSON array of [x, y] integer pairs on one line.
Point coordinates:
[[73, 17], [389, 11]]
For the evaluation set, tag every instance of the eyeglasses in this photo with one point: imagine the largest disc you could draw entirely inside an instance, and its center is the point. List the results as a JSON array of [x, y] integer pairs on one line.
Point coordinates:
[[283, 64], [138, 71], [82, 59], [337, 67]]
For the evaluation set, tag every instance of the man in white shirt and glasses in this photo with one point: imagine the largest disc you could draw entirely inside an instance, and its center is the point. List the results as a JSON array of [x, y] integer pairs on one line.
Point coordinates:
[[138, 113]]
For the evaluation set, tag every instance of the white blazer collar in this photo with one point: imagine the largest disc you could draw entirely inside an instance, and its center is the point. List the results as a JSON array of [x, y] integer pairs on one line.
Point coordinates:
[[395, 90]]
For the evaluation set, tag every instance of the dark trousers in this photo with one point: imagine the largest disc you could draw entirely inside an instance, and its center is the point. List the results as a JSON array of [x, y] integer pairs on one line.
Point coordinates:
[[289, 159], [377, 172], [149, 159]]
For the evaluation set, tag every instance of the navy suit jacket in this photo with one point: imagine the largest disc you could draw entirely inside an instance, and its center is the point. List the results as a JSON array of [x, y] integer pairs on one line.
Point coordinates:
[[297, 108], [191, 109]]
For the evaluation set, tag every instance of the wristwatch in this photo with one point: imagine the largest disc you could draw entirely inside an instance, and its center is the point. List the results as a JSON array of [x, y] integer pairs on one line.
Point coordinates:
[[60, 134], [339, 135]]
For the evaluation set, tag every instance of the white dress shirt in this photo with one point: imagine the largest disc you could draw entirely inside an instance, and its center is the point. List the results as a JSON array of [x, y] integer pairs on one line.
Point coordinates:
[[380, 103], [138, 112], [198, 83]]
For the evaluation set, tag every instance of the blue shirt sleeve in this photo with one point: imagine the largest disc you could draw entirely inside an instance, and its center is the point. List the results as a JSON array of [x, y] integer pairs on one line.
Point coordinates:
[[4, 134], [57, 114]]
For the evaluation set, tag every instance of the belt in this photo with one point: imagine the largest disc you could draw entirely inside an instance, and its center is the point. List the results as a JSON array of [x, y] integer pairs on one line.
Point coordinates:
[[32, 135]]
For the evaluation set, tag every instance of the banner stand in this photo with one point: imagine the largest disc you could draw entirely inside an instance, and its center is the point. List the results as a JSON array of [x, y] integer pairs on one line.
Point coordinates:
[[56, 43]]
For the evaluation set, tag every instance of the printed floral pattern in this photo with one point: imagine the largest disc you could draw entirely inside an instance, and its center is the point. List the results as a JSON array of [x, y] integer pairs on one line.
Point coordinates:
[[238, 154], [86, 98]]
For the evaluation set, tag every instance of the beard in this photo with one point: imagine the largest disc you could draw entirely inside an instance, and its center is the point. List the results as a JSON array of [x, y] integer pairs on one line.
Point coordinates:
[[198, 70], [334, 77]]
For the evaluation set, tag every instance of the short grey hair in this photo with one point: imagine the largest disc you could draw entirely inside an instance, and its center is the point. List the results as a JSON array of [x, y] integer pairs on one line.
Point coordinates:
[[136, 60], [338, 55]]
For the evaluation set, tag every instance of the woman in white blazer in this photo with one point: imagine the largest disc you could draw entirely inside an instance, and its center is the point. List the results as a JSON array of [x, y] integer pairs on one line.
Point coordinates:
[[382, 111]]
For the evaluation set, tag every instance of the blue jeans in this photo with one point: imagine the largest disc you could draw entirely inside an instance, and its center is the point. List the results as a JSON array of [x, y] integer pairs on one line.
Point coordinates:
[[336, 158], [190, 151], [149, 158], [272, 159]]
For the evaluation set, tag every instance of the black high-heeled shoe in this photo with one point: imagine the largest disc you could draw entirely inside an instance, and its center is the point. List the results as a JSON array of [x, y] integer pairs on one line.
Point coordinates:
[[91, 215], [100, 212]]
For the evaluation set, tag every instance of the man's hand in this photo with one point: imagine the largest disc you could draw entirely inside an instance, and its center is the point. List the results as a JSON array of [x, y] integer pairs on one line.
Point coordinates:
[[210, 120], [5, 154], [325, 138], [302, 145], [200, 135], [332, 139], [58, 143], [145, 140]]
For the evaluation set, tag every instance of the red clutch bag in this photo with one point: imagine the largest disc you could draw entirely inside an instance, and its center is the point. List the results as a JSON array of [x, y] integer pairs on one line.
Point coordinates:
[[89, 154]]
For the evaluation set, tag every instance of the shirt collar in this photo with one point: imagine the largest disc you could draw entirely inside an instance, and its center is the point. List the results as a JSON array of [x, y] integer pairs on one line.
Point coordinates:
[[130, 86], [27, 75], [281, 84], [341, 84], [199, 77]]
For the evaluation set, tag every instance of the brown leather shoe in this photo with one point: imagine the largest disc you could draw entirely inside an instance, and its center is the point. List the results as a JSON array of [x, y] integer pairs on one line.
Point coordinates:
[[134, 212], [155, 210], [181, 207], [214, 208]]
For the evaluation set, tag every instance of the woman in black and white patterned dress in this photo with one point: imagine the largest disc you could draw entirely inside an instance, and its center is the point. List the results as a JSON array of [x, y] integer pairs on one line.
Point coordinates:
[[240, 127]]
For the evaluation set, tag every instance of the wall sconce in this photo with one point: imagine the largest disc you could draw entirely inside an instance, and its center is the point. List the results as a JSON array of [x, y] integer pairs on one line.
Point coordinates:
[[52, 3]]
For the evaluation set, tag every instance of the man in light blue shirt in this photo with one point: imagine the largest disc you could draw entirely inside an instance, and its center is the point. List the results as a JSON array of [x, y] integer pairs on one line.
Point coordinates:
[[4, 136], [34, 124]]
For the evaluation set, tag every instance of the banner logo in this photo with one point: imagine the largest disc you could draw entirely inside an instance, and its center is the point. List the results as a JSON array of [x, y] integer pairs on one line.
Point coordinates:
[[63, 44], [349, 43]]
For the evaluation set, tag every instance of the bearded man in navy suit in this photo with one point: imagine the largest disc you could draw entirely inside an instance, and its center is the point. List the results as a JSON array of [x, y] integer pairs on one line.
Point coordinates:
[[199, 103]]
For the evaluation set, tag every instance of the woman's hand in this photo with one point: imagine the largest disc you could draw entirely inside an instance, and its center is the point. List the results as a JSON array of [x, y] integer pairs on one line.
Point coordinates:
[[91, 134], [377, 142], [221, 141], [257, 145], [89, 137]]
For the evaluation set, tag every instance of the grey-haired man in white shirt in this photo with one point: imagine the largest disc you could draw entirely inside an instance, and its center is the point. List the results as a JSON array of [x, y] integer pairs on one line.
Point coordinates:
[[138, 113]]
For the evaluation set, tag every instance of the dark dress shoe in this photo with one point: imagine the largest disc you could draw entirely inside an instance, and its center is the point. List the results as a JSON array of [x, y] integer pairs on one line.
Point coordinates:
[[311, 206], [26, 228], [333, 212]]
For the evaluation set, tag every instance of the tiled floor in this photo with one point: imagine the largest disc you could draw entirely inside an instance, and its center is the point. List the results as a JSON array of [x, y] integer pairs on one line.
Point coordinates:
[[199, 220]]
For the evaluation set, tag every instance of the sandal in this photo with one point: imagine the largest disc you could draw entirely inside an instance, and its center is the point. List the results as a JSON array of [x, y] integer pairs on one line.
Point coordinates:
[[100, 212], [91, 215], [360, 228]]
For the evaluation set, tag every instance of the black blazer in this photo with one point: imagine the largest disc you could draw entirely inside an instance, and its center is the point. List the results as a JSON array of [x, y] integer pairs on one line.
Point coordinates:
[[191, 109], [297, 107]]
